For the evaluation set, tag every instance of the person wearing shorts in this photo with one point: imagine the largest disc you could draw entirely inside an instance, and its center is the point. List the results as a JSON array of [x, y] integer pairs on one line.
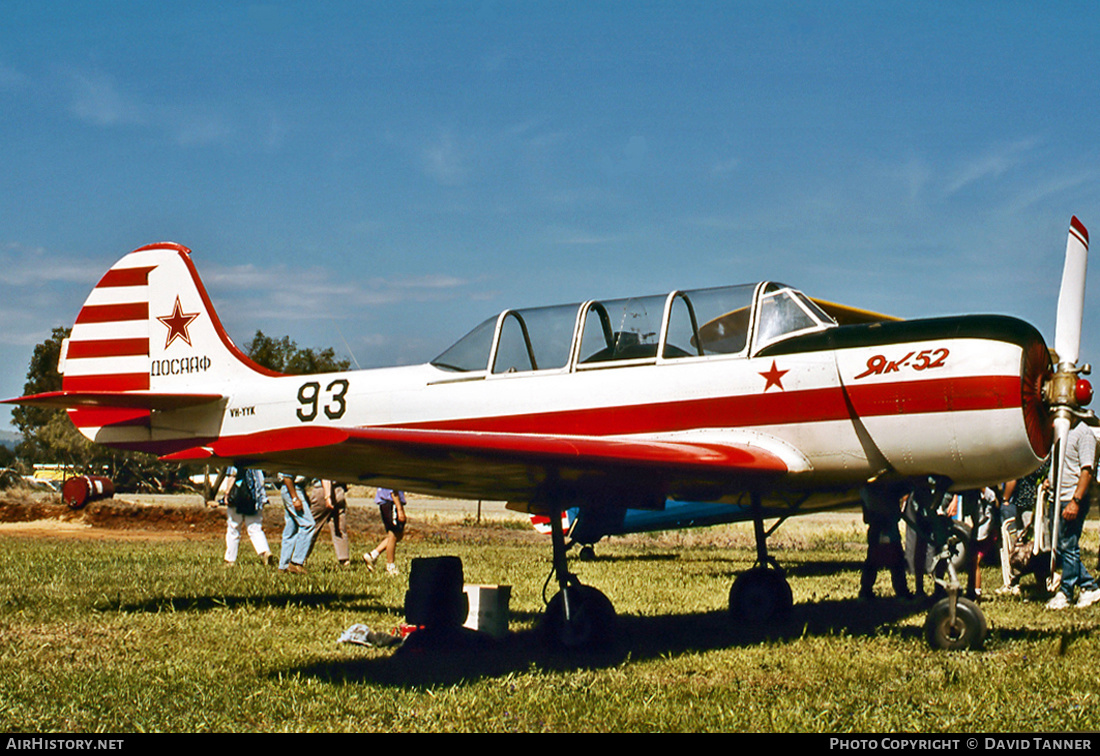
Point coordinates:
[[391, 507]]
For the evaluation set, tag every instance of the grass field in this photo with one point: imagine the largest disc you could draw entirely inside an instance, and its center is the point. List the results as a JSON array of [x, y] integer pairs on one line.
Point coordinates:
[[130, 636]]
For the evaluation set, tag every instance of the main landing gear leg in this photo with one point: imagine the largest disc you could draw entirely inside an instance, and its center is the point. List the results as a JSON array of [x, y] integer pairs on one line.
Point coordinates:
[[761, 594], [578, 617]]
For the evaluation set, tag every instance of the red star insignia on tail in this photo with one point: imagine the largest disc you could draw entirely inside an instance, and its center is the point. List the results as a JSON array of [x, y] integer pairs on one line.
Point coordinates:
[[177, 324], [774, 377]]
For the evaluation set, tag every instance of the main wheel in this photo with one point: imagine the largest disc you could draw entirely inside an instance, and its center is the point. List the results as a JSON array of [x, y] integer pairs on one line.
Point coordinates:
[[761, 595], [968, 631], [591, 621]]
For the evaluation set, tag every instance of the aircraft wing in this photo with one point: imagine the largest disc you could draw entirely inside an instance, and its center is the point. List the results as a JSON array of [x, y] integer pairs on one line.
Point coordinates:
[[638, 470]]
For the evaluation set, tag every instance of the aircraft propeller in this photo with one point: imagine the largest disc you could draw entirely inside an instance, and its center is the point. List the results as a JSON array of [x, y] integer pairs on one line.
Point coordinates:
[[1067, 392]]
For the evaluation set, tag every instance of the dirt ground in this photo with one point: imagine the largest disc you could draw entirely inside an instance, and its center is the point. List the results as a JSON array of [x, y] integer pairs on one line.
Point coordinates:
[[186, 516], [154, 517]]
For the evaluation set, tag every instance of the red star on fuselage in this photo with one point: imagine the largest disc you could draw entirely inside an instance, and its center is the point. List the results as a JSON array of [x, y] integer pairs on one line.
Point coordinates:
[[177, 324], [774, 377]]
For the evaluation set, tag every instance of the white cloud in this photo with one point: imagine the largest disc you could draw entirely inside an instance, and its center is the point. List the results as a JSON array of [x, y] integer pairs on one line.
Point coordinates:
[[11, 79], [99, 99], [723, 168], [22, 267], [280, 293], [991, 165], [96, 98], [443, 161], [196, 128]]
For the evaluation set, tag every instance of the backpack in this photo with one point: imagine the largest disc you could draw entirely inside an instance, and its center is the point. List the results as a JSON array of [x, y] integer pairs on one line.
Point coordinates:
[[240, 497]]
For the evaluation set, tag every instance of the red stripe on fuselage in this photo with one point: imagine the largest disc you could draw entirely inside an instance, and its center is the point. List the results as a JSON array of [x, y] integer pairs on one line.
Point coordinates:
[[747, 411], [943, 395], [791, 407]]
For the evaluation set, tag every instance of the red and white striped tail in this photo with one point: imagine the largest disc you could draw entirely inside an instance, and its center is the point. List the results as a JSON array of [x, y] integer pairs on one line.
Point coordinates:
[[148, 329]]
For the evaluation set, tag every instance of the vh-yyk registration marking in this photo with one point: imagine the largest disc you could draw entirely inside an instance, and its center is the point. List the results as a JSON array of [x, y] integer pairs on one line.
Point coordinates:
[[927, 359]]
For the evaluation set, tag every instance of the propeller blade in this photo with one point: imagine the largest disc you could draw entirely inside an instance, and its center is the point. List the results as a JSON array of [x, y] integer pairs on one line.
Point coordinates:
[[1067, 347], [1071, 297]]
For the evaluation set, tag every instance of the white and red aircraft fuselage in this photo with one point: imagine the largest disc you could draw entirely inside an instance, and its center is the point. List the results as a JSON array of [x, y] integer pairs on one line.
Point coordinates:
[[726, 394]]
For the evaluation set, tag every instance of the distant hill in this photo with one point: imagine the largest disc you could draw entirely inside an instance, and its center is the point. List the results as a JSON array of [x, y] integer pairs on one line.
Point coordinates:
[[10, 439]]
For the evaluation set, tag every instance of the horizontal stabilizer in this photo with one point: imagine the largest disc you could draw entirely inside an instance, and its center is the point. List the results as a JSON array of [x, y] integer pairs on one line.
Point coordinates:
[[142, 400]]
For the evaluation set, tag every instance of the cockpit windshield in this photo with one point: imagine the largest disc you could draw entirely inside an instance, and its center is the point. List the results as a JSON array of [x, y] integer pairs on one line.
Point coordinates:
[[538, 338], [640, 330], [471, 352], [784, 312]]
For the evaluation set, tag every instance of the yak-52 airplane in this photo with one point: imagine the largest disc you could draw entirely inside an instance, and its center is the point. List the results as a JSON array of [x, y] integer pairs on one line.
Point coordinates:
[[751, 395]]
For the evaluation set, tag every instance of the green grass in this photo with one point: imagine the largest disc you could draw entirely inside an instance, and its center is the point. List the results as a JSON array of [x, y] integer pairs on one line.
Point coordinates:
[[111, 636]]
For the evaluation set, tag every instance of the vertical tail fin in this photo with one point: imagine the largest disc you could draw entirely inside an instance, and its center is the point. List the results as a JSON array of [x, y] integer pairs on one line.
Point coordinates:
[[148, 340], [148, 325]]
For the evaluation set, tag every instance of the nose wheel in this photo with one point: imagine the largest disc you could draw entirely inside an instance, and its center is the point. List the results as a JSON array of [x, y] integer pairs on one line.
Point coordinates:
[[955, 625]]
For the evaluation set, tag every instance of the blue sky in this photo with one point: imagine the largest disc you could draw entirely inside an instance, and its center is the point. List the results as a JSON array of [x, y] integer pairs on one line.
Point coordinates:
[[381, 176]]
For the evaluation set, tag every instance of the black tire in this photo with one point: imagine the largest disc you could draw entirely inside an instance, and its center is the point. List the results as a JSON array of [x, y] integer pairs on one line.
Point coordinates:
[[591, 624], [968, 632], [761, 595]]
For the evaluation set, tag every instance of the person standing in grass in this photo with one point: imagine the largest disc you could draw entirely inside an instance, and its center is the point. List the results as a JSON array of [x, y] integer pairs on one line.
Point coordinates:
[[882, 512], [1019, 531], [299, 525], [245, 498], [985, 507], [328, 505], [1073, 498], [391, 506]]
